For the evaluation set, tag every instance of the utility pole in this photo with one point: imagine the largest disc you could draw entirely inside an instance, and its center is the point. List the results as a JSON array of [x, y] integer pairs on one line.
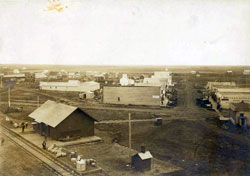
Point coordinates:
[[129, 137], [38, 102], [1, 81], [9, 97]]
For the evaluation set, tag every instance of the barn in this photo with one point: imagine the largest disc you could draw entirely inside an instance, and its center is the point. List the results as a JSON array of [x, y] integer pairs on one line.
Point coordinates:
[[60, 121], [132, 95]]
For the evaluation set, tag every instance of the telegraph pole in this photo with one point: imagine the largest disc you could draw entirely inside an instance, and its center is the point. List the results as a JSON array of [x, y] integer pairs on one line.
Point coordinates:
[[1, 81], [129, 137], [9, 97], [38, 102]]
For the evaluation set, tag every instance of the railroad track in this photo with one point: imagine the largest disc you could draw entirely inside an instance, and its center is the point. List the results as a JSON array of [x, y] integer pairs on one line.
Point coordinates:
[[52, 163]]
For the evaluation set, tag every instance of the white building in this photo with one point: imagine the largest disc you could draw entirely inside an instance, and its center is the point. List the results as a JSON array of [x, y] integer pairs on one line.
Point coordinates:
[[211, 85], [45, 71], [160, 77], [16, 71], [125, 81], [246, 72], [226, 98], [40, 75], [71, 85]]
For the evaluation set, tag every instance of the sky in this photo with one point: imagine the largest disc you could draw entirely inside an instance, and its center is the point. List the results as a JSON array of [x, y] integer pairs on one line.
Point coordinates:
[[125, 32]]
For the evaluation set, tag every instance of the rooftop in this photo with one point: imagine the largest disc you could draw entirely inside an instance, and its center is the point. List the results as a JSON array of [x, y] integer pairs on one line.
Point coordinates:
[[70, 83], [242, 106], [53, 113], [146, 155]]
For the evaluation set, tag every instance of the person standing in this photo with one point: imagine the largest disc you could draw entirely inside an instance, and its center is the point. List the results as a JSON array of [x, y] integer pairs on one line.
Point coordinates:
[[23, 126], [44, 144]]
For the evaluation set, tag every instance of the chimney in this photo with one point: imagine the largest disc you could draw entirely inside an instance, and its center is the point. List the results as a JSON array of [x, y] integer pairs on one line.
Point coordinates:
[[143, 149]]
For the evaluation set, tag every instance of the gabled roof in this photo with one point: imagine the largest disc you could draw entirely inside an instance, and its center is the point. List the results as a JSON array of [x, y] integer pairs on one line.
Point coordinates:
[[146, 155], [53, 113]]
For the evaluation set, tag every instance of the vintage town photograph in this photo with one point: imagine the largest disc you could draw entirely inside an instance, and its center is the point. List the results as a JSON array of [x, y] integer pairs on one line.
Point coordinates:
[[125, 88]]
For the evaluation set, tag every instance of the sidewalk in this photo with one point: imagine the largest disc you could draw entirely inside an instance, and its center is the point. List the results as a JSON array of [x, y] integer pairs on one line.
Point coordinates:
[[35, 138]]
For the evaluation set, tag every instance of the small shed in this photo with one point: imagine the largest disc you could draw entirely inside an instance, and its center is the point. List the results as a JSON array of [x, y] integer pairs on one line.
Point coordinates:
[[86, 95], [60, 121], [142, 161]]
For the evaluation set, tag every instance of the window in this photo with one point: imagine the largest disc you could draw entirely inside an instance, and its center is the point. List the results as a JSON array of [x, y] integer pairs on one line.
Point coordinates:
[[118, 98]]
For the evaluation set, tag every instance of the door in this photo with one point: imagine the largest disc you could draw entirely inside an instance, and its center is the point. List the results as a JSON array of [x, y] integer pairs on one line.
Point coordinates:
[[43, 129], [243, 121]]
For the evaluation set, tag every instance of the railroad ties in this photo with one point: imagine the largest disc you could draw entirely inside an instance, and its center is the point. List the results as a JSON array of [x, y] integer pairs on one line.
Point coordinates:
[[53, 164]]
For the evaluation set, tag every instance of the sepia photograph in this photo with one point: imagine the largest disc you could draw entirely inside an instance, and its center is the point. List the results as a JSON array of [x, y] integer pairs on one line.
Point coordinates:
[[124, 87]]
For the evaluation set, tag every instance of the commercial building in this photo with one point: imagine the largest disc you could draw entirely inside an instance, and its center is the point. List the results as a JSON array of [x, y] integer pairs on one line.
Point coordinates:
[[60, 121], [15, 77], [240, 113], [211, 85], [232, 89], [71, 85], [159, 78], [224, 99], [133, 95]]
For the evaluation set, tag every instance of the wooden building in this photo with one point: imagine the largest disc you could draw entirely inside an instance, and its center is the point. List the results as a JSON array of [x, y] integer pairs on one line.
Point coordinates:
[[142, 161], [14, 77], [224, 99], [132, 95], [71, 86], [60, 121], [240, 113]]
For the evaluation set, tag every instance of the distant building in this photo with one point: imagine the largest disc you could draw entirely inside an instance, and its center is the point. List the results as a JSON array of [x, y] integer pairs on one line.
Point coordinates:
[[16, 71], [99, 78], [240, 113], [60, 121], [15, 77], [40, 75], [71, 85], [142, 161], [125, 81], [210, 85], [151, 96], [74, 75], [246, 72], [226, 98], [86, 95], [158, 79], [53, 75]]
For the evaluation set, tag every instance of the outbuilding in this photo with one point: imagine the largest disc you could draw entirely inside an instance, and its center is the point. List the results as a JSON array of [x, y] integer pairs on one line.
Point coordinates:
[[142, 161], [60, 121]]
